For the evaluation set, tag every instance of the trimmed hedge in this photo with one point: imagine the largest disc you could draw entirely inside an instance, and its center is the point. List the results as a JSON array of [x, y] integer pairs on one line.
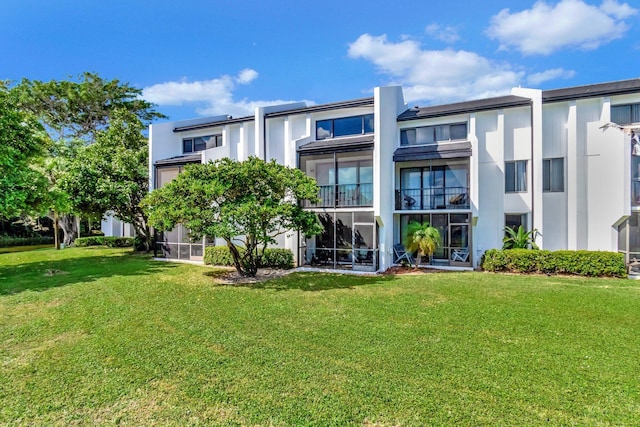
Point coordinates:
[[110, 241], [7, 241], [273, 257], [582, 263]]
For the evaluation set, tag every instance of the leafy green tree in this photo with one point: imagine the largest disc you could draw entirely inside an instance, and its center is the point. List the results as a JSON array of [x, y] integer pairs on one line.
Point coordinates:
[[520, 239], [246, 203], [73, 114], [422, 238], [112, 174], [22, 146]]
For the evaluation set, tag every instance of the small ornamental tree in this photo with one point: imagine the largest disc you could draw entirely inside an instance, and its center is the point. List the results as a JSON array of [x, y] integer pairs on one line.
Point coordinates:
[[245, 203], [422, 238]]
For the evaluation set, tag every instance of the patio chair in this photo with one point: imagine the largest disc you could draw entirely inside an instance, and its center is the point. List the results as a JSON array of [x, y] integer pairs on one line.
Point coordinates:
[[460, 255], [401, 253]]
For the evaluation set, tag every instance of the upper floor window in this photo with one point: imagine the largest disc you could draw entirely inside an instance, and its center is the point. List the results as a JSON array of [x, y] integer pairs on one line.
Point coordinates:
[[515, 176], [200, 143], [625, 114], [553, 175], [433, 134], [345, 126]]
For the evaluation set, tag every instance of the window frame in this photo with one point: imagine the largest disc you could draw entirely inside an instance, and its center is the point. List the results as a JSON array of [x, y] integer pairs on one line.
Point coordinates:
[[217, 142], [405, 140], [548, 174], [634, 111], [507, 181], [364, 129]]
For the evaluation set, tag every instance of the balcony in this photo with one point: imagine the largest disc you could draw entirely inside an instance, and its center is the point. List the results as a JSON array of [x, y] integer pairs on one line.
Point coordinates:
[[344, 195], [432, 198]]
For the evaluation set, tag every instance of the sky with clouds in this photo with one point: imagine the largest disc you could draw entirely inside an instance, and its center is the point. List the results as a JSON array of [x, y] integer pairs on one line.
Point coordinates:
[[210, 57]]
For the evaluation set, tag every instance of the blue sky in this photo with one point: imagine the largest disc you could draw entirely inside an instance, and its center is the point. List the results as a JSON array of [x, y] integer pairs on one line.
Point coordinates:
[[198, 58]]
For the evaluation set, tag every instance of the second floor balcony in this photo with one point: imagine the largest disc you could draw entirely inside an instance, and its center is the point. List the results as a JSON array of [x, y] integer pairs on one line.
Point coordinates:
[[432, 198], [344, 195]]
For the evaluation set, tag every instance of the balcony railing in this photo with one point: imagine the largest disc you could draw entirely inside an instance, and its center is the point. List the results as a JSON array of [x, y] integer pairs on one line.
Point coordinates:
[[432, 198], [344, 195]]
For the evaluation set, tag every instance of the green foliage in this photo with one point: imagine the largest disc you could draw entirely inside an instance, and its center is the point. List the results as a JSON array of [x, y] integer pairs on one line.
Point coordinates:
[[422, 238], [519, 239], [582, 263], [22, 146], [272, 258], [7, 241], [75, 114], [109, 241], [277, 258], [111, 175], [219, 255], [245, 203], [79, 109]]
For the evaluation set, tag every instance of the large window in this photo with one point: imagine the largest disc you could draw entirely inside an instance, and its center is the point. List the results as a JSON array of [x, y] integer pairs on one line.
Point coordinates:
[[345, 126], [625, 114], [455, 237], [200, 143], [515, 176], [553, 175], [348, 241], [434, 187], [433, 134], [345, 179]]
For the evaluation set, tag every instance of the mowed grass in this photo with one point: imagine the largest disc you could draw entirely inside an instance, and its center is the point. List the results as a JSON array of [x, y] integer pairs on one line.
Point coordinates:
[[99, 336]]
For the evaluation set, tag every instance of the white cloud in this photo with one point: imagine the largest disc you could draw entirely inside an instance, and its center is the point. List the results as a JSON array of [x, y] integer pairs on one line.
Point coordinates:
[[435, 75], [210, 97], [552, 74], [446, 34], [247, 76], [546, 28]]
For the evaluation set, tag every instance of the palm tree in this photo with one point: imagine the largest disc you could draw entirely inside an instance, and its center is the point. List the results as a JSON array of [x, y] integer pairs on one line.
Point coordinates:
[[423, 238], [519, 239]]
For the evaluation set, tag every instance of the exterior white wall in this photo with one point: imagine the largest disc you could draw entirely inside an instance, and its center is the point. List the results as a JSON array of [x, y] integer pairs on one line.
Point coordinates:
[[490, 202], [388, 104], [596, 196]]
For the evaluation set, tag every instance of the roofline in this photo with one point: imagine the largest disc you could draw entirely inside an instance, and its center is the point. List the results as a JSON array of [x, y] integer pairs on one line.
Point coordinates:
[[213, 124], [467, 107], [591, 91], [362, 102]]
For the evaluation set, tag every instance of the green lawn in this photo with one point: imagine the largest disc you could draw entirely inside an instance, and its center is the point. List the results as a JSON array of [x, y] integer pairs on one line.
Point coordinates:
[[99, 336]]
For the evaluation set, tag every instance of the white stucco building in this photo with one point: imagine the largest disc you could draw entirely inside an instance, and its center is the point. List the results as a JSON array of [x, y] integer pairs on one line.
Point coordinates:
[[537, 158]]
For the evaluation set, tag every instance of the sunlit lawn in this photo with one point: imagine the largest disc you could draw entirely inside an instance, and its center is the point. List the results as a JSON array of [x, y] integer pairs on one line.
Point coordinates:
[[100, 336]]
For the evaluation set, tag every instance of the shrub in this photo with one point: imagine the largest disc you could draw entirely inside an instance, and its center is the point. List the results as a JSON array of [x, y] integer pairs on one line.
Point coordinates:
[[277, 258], [583, 263], [218, 255], [273, 257], [110, 241], [7, 241]]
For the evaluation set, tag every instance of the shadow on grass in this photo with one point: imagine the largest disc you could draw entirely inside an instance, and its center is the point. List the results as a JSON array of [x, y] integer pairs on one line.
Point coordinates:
[[309, 281], [38, 274]]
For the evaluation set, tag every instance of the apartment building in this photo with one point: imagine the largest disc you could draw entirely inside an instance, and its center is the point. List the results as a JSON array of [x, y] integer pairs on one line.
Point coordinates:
[[562, 161]]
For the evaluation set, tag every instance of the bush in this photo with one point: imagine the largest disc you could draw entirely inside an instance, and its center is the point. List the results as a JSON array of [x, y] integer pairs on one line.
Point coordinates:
[[110, 241], [273, 257], [277, 258], [582, 263], [7, 241]]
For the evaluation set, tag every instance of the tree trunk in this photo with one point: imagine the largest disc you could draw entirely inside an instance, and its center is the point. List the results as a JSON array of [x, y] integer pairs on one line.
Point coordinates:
[[68, 225], [236, 259], [56, 240]]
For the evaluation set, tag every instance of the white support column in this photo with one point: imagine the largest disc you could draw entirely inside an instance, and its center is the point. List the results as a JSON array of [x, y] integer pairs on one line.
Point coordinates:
[[572, 176], [474, 187]]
